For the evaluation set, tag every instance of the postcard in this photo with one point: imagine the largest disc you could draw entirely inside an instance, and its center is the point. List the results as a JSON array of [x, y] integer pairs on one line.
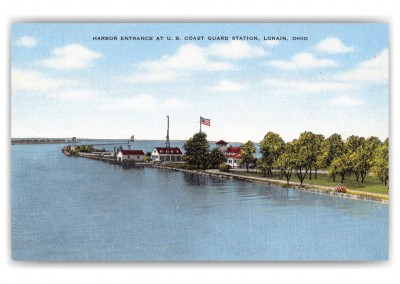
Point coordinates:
[[199, 141]]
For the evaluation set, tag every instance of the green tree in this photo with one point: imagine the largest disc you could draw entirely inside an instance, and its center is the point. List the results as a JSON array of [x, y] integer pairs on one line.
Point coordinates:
[[363, 157], [331, 148], [311, 144], [216, 158], [286, 161], [271, 147], [381, 162], [247, 154], [262, 166], [340, 165], [354, 164], [301, 158], [353, 142], [196, 150], [351, 145], [317, 152]]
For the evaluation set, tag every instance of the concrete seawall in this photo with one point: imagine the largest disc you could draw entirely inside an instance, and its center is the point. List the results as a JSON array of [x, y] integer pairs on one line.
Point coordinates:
[[305, 187]]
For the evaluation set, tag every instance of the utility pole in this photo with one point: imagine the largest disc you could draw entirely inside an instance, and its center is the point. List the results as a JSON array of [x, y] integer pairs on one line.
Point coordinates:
[[167, 145]]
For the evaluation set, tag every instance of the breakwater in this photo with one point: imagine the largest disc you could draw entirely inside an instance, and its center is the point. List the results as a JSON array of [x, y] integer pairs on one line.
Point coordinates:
[[39, 141], [350, 194], [106, 159], [264, 181]]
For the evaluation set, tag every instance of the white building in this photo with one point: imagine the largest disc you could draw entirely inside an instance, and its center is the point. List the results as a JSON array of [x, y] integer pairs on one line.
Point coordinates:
[[135, 155], [233, 157], [163, 154], [233, 154]]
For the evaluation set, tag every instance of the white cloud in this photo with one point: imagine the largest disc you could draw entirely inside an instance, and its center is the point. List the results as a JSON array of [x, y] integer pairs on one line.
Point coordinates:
[[75, 95], [149, 76], [24, 80], [72, 56], [304, 87], [146, 102], [374, 70], [140, 101], [173, 103], [346, 101], [333, 45], [235, 50], [302, 60], [27, 41], [189, 57], [271, 43], [228, 86]]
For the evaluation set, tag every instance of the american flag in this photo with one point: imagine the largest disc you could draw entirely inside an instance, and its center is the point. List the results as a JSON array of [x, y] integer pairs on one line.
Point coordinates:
[[205, 121]]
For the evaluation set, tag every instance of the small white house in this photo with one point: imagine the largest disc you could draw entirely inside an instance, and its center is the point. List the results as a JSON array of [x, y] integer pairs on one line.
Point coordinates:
[[164, 154], [135, 155], [233, 157]]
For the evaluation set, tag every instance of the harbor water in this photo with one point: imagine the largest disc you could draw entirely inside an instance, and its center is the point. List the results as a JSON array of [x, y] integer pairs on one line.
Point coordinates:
[[80, 209]]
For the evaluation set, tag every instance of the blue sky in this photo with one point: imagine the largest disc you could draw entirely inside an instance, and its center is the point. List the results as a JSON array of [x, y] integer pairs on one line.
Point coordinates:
[[66, 84]]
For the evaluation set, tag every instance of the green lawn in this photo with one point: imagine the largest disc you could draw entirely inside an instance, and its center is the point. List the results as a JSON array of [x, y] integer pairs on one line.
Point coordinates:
[[371, 184]]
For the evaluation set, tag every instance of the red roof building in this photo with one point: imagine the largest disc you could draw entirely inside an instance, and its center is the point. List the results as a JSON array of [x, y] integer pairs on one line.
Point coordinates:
[[164, 154], [171, 150], [233, 152], [233, 156], [222, 143], [132, 152], [136, 155]]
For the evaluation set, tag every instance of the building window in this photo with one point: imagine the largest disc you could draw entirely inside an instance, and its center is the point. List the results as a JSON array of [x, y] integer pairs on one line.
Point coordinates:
[[178, 158], [229, 161], [167, 158], [162, 158], [173, 158], [129, 157]]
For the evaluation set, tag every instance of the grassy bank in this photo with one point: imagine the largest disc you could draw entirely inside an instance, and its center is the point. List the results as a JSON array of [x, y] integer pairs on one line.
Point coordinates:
[[371, 184]]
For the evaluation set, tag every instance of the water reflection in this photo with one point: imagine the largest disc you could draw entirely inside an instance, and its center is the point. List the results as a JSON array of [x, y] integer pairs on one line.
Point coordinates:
[[192, 179]]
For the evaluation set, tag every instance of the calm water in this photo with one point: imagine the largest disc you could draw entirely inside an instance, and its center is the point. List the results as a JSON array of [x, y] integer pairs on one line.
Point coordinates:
[[79, 209]]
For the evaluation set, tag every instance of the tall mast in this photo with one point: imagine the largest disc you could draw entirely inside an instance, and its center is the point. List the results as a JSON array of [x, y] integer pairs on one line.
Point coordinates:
[[167, 142]]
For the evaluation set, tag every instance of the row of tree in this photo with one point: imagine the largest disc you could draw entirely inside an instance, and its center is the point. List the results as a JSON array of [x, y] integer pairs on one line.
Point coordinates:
[[310, 152], [303, 156]]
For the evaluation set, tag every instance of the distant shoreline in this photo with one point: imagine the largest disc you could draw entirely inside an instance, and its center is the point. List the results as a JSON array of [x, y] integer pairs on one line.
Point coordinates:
[[68, 140], [39, 141]]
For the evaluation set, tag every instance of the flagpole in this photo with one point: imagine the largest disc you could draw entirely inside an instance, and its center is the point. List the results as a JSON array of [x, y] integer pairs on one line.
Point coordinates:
[[200, 124]]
